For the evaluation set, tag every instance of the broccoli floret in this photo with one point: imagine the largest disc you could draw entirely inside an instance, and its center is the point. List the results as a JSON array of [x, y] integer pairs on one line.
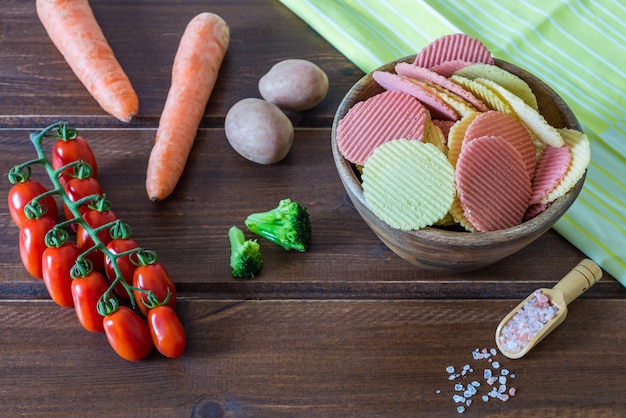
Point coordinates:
[[287, 225], [245, 255]]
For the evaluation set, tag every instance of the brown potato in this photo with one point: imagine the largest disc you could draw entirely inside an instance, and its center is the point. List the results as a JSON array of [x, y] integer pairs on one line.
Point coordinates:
[[294, 84], [259, 131]]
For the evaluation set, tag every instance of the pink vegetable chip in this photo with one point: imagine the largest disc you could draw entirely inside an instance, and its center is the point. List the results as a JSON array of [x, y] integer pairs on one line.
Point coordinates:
[[394, 82], [444, 125], [510, 129], [448, 68], [492, 184], [379, 119], [458, 46], [550, 170], [421, 73]]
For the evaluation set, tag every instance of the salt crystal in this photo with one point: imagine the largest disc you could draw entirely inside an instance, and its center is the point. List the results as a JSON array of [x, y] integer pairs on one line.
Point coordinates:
[[496, 364], [458, 398], [475, 383], [493, 351], [502, 380], [458, 387], [502, 388], [485, 398], [512, 391], [487, 373], [460, 409], [504, 372], [527, 322], [504, 397], [468, 402], [450, 369]]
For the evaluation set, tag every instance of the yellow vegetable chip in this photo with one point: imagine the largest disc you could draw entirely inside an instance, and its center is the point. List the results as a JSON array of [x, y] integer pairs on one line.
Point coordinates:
[[581, 157], [533, 120], [504, 78]]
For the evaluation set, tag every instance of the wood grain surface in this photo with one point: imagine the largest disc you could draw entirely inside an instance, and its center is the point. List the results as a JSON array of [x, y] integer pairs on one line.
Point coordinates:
[[345, 329]]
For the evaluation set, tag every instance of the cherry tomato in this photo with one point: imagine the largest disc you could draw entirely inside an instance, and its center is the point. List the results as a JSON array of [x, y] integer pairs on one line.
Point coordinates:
[[153, 277], [33, 244], [168, 334], [94, 219], [70, 150], [128, 334], [86, 291], [57, 263], [126, 267], [77, 188], [22, 193]]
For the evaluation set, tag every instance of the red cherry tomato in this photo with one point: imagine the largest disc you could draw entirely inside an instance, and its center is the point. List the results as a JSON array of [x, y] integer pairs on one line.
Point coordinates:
[[153, 277], [128, 334], [86, 292], [77, 188], [22, 193], [33, 244], [126, 267], [168, 334], [70, 150], [95, 219], [56, 265]]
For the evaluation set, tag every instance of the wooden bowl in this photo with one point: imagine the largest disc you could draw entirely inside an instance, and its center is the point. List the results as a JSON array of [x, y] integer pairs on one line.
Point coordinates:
[[440, 249]]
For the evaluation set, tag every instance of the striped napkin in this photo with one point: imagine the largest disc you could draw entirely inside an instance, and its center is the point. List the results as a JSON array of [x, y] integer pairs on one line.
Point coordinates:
[[577, 47]]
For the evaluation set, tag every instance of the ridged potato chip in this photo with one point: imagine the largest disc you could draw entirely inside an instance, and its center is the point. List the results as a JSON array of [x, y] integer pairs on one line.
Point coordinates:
[[533, 120], [579, 146], [408, 184], [509, 81], [491, 99]]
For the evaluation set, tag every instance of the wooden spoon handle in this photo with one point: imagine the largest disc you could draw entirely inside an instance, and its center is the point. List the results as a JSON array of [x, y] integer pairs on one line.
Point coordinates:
[[578, 280]]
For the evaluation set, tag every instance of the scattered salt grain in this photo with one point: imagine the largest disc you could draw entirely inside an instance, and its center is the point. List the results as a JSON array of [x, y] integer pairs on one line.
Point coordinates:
[[492, 375]]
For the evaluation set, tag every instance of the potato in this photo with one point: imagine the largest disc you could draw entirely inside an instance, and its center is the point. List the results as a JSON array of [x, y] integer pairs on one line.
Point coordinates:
[[259, 131], [294, 84]]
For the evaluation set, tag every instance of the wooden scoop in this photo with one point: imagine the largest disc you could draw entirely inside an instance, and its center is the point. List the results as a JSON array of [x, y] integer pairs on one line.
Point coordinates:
[[575, 283]]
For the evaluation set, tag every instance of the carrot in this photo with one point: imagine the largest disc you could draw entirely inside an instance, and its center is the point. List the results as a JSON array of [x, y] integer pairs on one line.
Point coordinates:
[[73, 29], [196, 64]]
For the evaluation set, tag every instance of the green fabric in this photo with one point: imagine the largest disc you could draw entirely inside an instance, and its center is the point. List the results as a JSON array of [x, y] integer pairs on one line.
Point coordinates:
[[575, 46]]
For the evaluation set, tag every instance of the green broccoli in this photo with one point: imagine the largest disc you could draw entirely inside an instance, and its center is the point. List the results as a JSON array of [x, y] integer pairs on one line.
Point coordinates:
[[287, 225], [245, 255]]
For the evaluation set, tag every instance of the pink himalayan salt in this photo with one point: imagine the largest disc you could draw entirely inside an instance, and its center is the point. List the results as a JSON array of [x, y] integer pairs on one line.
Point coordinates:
[[527, 322]]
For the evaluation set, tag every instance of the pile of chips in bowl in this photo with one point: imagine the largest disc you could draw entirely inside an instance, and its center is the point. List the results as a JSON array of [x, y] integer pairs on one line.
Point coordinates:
[[454, 139]]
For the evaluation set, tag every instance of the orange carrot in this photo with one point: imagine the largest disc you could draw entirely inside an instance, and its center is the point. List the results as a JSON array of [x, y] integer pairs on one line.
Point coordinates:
[[73, 29], [196, 64]]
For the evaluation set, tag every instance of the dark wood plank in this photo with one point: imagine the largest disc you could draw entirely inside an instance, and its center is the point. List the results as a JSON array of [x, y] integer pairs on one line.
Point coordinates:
[[219, 189], [316, 358], [144, 37]]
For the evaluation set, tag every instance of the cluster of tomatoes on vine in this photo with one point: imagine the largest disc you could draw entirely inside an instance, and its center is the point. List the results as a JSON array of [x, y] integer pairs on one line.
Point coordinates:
[[88, 260]]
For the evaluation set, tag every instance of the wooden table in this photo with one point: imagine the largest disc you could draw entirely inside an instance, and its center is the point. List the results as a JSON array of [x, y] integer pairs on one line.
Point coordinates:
[[345, 329]]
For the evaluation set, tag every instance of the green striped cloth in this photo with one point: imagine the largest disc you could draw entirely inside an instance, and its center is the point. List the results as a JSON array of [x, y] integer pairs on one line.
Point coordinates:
[[575, 46]]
